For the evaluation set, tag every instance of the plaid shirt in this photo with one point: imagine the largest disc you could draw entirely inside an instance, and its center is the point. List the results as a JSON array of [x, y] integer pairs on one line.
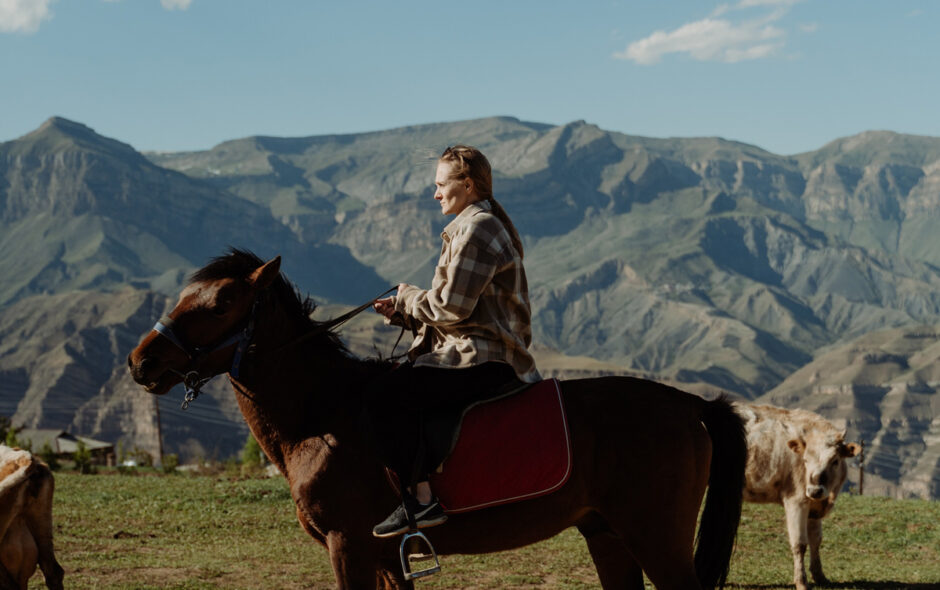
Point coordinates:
[[477, 308]]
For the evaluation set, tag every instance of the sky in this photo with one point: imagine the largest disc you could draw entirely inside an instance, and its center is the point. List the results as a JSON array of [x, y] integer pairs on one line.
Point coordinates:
[[171, 75]]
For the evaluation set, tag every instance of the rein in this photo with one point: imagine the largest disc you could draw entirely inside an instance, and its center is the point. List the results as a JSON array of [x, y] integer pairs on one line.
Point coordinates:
[[327, 326], [193, 381]]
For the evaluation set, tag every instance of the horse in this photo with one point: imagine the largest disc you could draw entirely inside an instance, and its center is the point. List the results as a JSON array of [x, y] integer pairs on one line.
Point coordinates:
[[643, 453]]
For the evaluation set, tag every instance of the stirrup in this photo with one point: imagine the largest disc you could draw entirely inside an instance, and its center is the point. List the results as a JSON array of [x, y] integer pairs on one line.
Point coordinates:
[[419, 549]]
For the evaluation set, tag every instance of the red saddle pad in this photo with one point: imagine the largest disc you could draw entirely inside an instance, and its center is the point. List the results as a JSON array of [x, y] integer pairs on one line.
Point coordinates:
[[511, 449]]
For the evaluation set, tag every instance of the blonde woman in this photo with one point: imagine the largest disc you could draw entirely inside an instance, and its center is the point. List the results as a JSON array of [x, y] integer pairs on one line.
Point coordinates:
[[473, 333]]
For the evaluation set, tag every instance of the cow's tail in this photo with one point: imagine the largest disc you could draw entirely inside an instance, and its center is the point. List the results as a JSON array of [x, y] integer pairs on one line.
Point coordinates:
[[722, 512]]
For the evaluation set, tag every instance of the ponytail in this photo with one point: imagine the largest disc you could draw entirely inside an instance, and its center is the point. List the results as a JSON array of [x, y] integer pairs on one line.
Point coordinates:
[[501, 214]]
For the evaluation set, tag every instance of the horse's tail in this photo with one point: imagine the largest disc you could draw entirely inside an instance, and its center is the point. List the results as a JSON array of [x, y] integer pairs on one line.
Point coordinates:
[[722, 512]]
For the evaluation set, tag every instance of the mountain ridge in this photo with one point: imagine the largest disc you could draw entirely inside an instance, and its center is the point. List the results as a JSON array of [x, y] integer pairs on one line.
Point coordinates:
[[704, 262]]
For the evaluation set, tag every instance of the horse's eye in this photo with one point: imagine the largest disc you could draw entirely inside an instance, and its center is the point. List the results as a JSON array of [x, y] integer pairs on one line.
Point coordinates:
[[220, 309]]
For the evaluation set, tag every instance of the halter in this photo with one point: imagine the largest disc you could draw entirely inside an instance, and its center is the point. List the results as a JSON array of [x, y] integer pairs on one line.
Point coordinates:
[[193, 382]]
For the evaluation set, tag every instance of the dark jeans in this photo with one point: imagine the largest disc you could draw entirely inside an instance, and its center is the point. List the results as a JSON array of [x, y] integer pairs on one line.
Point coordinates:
[[415, 410]]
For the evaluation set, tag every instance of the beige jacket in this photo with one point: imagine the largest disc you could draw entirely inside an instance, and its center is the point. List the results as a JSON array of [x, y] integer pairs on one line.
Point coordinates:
[[477, 308]]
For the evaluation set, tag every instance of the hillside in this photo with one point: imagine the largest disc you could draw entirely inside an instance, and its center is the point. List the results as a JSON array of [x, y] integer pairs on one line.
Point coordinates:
[[706, 263], [63, 365], [81, 211], [700, 259]]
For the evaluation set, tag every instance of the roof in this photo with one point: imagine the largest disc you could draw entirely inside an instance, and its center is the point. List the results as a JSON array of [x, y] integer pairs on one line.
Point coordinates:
[[59, 440]]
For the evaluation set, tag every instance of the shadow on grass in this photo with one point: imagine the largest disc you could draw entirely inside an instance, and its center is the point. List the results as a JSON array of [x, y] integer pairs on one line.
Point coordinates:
[[856, 585]]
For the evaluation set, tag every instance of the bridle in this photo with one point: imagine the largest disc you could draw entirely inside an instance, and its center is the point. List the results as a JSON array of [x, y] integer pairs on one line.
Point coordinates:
[[241, 336], [192, 380]]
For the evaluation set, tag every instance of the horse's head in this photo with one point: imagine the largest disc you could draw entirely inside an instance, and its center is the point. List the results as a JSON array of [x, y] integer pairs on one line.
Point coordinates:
[[204, 331]]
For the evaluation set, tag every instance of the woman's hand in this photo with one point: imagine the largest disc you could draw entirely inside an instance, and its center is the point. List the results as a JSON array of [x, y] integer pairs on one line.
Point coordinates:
[[385, 306]]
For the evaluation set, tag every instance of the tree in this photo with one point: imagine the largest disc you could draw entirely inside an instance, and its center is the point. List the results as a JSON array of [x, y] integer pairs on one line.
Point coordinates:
[[253, 458], [82, 458], [170, 463], [48, 456], [8, 434]]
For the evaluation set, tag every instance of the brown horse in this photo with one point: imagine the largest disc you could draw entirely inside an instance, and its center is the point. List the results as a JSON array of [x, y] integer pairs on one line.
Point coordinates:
[[643, 452]]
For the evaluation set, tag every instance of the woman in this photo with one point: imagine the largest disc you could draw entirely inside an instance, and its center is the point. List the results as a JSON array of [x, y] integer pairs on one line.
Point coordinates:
[[473, 332]]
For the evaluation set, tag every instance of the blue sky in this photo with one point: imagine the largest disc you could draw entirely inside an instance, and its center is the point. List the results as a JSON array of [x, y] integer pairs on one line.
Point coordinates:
[[786, 75]]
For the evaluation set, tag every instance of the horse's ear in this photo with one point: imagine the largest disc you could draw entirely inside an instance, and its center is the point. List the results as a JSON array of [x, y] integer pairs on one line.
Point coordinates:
[[265, 274]]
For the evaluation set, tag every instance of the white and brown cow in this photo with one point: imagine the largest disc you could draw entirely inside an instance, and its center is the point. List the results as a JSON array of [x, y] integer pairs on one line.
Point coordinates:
[[798, 459], [26, 487]]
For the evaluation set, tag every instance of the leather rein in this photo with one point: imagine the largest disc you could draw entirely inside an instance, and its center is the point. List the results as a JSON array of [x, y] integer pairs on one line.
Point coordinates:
[[241, 336]]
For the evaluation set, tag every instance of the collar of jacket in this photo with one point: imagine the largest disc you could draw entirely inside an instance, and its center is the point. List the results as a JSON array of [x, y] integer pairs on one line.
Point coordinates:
[[468, 212]]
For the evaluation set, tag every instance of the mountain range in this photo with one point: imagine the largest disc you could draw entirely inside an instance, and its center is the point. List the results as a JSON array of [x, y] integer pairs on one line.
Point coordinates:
[[710, 264]]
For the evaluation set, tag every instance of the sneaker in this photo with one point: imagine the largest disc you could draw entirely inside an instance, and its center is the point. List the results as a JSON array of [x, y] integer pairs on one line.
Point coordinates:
[[426, 515]]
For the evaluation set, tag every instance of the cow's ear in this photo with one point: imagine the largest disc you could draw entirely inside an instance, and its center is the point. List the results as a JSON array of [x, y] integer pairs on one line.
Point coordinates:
[[796, 445], [850, 450], [265, 274]]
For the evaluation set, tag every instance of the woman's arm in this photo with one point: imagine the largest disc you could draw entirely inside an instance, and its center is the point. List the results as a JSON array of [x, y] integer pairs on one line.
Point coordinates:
[[456, 287]]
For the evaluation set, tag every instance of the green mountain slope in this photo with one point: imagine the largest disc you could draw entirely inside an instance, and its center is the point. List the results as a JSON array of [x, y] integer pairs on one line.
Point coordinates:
[[81, 211], [704, 262]]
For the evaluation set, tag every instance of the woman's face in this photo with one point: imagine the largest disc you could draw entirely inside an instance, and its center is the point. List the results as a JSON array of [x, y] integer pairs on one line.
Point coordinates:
[[454, 194]]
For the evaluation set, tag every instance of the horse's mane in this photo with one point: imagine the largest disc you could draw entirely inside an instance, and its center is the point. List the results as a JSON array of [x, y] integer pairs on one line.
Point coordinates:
[[239, 264]]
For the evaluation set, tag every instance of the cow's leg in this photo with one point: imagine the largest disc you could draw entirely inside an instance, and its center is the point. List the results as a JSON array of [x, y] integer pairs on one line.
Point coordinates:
[[814, 528], [797, 515], [616, 568]]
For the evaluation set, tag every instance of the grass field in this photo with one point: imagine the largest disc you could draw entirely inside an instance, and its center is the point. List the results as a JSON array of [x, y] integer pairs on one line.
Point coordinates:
[[181, 532]]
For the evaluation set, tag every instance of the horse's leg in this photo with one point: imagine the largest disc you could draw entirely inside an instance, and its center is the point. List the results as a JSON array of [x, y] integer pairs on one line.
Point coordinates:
[[666, 559], [657, 517], [354, 564], [657, 532], [797, 513], [392, 578], [388, 576], [615, 567], [814, 528], [306, 526]]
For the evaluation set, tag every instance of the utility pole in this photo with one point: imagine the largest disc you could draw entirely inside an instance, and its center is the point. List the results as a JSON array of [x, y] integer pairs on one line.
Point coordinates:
[[861, 469], [156, 410]]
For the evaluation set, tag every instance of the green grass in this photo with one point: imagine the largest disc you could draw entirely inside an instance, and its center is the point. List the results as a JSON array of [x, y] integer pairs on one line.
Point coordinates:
[[182, 532]]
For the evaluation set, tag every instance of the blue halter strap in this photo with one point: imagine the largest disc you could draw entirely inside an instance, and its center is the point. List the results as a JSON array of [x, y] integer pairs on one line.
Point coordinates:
[[192, 380]]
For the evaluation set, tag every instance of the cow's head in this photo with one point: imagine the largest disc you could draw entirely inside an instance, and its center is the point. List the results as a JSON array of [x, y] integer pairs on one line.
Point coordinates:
[[824, 455]]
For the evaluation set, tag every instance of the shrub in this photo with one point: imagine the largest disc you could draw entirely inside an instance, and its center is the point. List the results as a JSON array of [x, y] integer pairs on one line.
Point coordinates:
[[49, 457], [253, 458], [82, 458], [170, 463]]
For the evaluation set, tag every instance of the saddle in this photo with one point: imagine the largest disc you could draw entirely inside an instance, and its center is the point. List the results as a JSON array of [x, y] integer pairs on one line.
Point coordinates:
[[514, 448]]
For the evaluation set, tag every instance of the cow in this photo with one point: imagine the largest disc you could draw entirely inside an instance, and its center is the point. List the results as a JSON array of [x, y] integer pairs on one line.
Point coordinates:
[[26, 488], [798, 459]]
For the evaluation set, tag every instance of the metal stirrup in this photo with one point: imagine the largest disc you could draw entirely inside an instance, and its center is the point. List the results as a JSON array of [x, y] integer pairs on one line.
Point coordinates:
[[418, 549]]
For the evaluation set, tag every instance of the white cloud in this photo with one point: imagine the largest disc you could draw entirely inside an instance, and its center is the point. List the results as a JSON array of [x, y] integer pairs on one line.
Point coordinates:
[[718, 39], [23, 16], [176, 4]]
